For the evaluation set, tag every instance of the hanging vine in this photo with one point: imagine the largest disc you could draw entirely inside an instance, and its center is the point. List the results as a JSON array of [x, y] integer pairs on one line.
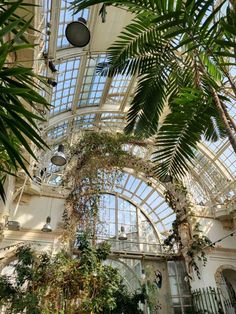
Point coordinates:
[[176, 197], [196, 249], [95, 164]]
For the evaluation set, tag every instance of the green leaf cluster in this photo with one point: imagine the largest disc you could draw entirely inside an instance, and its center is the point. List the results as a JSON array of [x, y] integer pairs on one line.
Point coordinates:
[[66, 284], [196, 251]]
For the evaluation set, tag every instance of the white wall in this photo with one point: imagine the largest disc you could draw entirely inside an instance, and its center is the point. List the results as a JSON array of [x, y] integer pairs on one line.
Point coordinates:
[[224, 252], [216, 259], [33, 214], [214, 230]]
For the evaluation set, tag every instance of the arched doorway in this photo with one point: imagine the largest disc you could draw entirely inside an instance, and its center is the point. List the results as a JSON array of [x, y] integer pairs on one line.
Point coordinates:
[[225, 277]]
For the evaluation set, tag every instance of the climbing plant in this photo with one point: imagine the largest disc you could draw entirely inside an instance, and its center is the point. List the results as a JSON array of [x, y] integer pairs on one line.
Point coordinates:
[[42, 284], [96, 162], [196, 251], [186, 234], [176, 197]]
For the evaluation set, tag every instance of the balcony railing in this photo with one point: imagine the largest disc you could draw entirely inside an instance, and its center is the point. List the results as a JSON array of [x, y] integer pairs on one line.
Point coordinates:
[[130, 246], [211, 301]]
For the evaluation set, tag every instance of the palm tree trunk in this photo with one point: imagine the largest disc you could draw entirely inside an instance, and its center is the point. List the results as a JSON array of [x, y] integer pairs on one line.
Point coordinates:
[[225, 116], [225, 121], [230, 119]]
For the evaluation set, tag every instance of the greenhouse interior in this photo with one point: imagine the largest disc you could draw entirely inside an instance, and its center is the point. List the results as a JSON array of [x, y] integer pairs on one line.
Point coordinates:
[[118, 156]]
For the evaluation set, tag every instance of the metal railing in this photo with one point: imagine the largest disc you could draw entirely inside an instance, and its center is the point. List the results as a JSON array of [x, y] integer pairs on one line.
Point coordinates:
[[132, 246], [211, 301]]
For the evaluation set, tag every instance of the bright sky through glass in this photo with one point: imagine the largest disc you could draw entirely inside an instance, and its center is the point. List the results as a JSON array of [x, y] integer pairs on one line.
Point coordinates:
[[66, 16]]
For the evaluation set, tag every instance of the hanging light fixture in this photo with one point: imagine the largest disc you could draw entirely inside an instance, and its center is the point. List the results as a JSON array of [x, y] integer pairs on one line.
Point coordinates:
[[52, 82], [59, 158], [47, 227], [143, 275], [77, 33], [122, 235]]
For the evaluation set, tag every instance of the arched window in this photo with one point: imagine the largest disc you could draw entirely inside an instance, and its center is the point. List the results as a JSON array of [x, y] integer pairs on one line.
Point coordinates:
[[115, 213]]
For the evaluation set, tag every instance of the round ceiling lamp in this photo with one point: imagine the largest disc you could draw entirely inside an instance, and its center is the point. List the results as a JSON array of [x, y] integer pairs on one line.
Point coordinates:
[[77, 33], [59, 158]]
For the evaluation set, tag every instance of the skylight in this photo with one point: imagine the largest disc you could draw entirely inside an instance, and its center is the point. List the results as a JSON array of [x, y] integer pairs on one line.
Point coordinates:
[[93, 83], [63, 94], [66, 16]]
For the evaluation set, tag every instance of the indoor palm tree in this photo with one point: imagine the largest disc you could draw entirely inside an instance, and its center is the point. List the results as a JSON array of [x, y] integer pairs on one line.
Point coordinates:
[[19, 100], [182, 52]]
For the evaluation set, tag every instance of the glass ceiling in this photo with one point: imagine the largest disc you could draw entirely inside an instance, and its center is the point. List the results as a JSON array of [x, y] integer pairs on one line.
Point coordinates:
[[84, 100]]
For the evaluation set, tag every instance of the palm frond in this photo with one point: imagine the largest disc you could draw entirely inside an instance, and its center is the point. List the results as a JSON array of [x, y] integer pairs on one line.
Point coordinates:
[[139, 48], [10, 20], [182, 129], [18, 86], [135, 6], [147, 105]]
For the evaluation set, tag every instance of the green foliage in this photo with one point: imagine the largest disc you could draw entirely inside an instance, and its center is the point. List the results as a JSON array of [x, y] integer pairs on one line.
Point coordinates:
[[127, 303], [66, 284], [173, 238], [19, 101], [173, 200], [181, 52]]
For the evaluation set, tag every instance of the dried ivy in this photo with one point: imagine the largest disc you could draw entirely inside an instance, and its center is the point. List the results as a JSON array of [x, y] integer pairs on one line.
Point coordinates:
[[96, 160]]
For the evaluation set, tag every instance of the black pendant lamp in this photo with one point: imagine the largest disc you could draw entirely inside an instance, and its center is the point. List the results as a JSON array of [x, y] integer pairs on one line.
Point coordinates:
[[59, 158], [77, 33]]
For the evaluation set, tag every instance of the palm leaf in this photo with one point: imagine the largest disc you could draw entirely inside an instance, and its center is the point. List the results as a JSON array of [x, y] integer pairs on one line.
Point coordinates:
[[181, 131], [17, 88], [133, 5]]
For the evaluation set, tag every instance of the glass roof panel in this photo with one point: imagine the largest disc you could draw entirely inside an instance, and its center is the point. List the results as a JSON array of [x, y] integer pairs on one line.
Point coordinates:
[[93, 83], [115, 212], [228, 157], [84, 121], [63, 93], [58, 130], [66, 16], [215, 146], [118, 88], [115, 120], [133, 187]]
